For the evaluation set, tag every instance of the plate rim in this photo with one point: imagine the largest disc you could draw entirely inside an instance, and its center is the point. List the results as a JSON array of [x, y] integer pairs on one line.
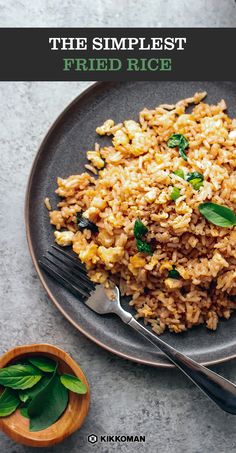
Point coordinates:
[[29, 238]]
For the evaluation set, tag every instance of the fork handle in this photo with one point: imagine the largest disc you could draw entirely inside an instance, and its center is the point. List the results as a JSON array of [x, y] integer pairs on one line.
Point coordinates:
[[217, 388]]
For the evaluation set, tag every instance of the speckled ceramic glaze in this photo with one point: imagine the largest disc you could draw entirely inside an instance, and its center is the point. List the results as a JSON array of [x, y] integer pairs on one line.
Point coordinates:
[[62, 153]]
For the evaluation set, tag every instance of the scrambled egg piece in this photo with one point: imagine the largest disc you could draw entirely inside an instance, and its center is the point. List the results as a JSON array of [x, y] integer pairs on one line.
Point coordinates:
[[132, 127], [213, 126], [99, 203], [105, 238], [120, 138], [95, 158], [232, 135], [56, 219], [167, 119], [110, 255], [89, 254], [91, 213], [105, 128], [137, 261], [140, 144], [152, 263], [166, 265], [63, 238], [172, 283], [182, 121]]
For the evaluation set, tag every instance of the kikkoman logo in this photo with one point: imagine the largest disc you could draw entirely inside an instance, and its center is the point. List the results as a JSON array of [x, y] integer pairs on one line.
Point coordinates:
[[93, 439]]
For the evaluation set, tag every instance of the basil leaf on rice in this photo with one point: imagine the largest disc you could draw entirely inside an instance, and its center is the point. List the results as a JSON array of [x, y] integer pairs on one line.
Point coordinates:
[[143, 247], [180, 141], [218, 215], [175, 194], [179, 173], [139, 229], [173, 273]]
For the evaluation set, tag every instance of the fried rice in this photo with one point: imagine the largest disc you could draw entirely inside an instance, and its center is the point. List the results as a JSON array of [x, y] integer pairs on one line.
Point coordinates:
[[136, 176]]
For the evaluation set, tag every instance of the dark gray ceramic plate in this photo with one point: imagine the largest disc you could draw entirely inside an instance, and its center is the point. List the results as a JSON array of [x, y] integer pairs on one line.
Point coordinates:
[[63, 152]]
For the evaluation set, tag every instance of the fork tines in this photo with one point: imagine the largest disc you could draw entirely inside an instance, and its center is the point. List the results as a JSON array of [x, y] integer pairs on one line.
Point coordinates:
[[68, 271]]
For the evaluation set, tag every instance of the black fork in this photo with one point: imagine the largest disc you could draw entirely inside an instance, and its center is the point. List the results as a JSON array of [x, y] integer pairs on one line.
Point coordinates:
[[68, 271], [71, 274]]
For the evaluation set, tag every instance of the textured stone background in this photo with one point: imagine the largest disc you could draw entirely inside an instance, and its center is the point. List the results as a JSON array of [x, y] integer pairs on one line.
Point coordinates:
[[121, 13], [126, 398]]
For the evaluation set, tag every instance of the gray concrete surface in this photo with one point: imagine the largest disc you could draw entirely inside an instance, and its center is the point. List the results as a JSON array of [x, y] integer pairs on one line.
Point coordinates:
[[121, 13], [126, 398]]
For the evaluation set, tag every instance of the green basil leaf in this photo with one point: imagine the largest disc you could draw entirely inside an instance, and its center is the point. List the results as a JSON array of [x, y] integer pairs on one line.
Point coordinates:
[[217, 214], [24, 396], [175, 194], [180, 173], [183, 142], [143, 247], [194, 175], [196, 183], [29, 394], [180, 141], [182, 154], [177, 140], [20, 376], [173, 141], [43, 363], [48, 405], [173, 273], [139, 229], [73, 383], [9, 402], [24, 411], [195, 179]]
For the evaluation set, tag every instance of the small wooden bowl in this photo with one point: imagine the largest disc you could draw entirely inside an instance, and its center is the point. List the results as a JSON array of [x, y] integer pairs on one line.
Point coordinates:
[[17, 427]]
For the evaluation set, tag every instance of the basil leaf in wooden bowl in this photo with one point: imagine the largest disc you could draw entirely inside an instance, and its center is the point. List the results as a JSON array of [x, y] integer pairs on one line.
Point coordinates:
[[46, 412]]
